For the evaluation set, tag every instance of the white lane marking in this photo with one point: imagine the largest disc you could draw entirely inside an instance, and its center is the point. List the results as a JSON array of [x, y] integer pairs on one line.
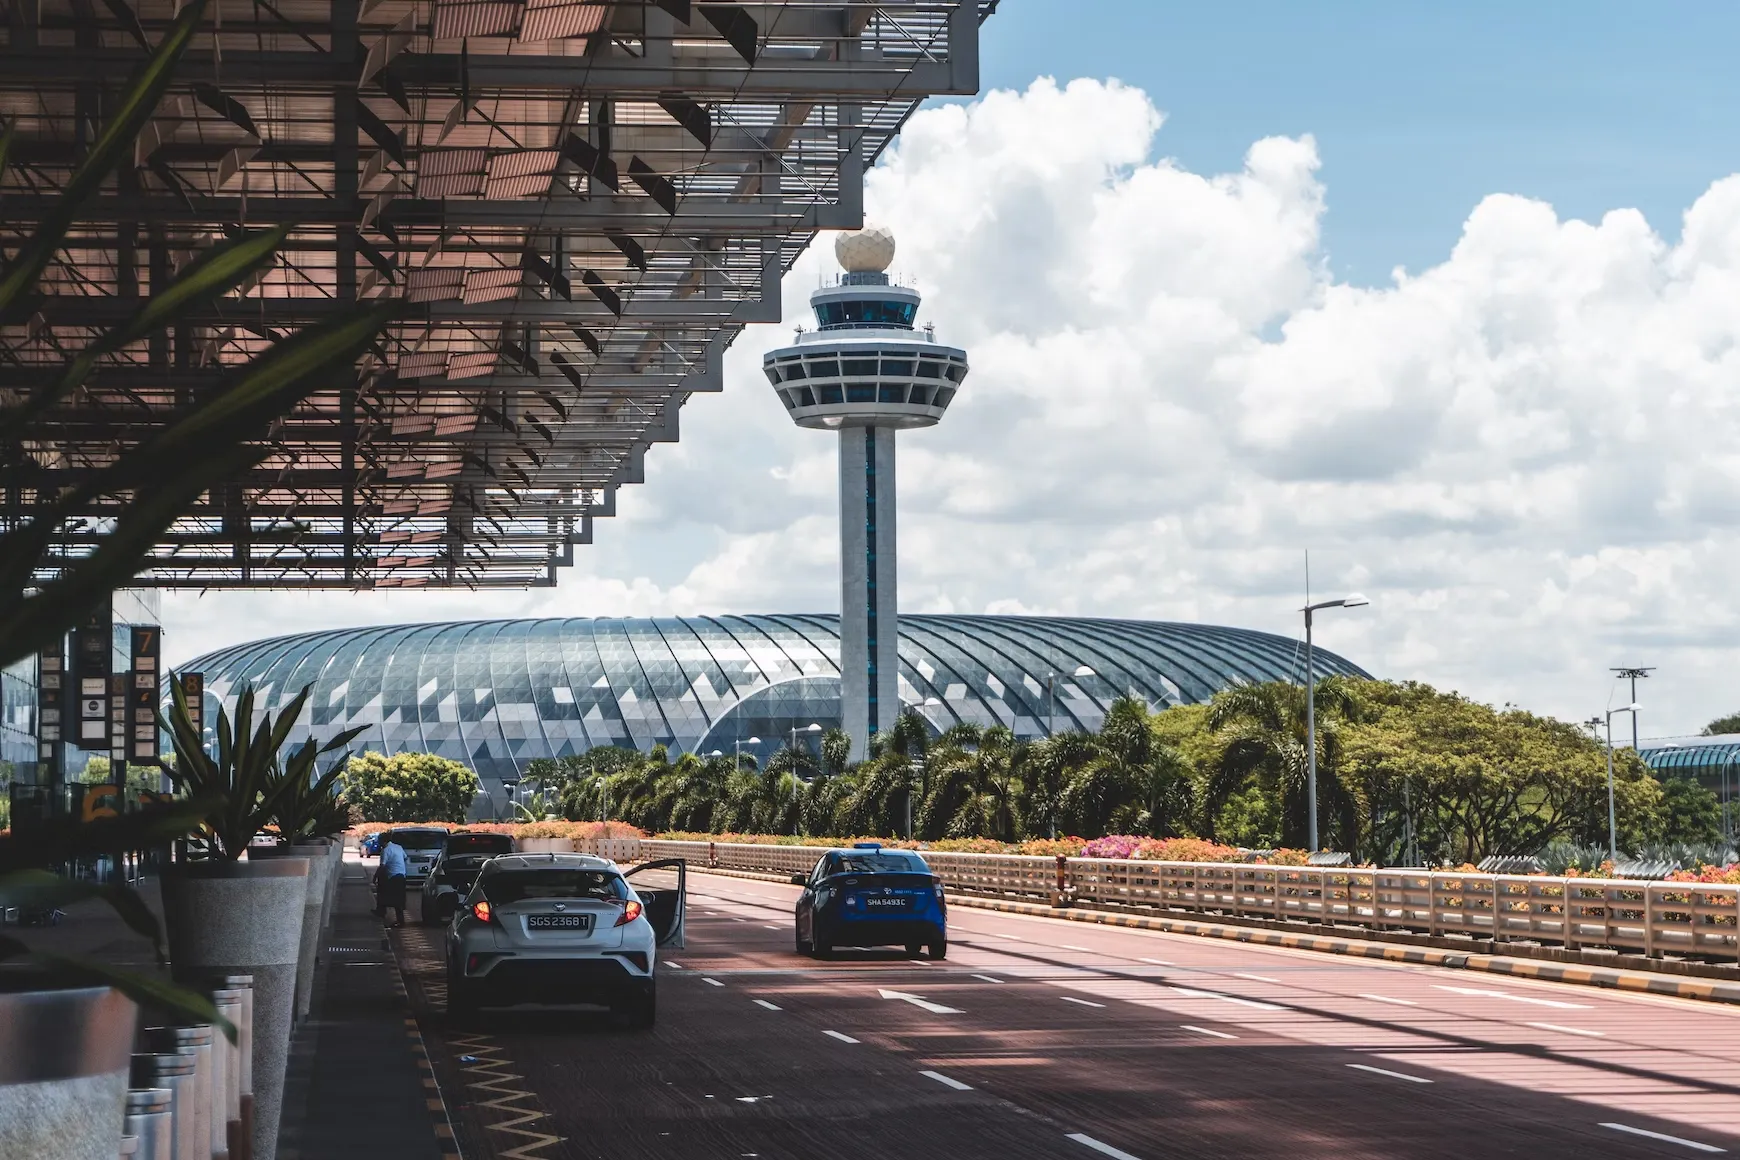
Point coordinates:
[[1082, 1002], [1258, 978], [1207, 1031], [988, 978], [1570, 1030], [776, 928], [1190, 993], [673, 965], [769, 1006], [1391, 1074], [947, 1081], [1488, 993], [1159, 962], [1073, 947], [840, 1035], [714, 982], [1387, 999], [1099, 1146], [925, 1004], [1664, 1138]]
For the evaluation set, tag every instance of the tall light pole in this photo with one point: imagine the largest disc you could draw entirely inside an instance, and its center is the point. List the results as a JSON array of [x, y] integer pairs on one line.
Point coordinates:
[[1353, 601], [1612, 815], [796, 781], [739, 744], [1632, 674], [1051, 697]]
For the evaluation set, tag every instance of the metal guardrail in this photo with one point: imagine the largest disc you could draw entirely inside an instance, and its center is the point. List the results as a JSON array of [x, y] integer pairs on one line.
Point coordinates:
[[1686, 919]]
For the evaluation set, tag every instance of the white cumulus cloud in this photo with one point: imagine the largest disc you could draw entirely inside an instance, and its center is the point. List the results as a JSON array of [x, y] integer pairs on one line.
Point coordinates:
[[1528, 455]]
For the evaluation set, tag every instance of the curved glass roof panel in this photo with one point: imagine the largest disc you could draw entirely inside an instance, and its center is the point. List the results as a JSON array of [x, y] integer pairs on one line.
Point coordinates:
[[496, 694]]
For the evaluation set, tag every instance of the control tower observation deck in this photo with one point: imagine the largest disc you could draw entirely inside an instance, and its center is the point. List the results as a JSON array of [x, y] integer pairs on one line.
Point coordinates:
[[866, 373]]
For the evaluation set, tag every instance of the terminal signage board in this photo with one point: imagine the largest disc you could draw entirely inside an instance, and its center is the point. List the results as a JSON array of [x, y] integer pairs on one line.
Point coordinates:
[[93, 652], [50, 702], [118, 724], [143, 694], [193, 688]]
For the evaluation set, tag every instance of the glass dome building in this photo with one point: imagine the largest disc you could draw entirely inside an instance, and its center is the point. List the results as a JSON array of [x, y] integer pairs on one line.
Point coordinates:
[[497, 693]]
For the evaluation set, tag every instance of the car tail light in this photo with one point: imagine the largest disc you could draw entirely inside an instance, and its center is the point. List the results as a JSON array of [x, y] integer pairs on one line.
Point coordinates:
[[481, 911], [630, 911]]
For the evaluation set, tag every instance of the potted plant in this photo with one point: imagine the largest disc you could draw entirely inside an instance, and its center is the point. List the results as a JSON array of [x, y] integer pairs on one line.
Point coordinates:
[[67, 1024], [302, 802], [327, 822], [229, 916]]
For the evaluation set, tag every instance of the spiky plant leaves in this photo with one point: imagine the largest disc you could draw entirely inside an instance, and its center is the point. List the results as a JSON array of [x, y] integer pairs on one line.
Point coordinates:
[[214, 272], [133, 108]]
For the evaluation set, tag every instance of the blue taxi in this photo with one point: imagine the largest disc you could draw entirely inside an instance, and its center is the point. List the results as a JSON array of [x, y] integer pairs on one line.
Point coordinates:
[[871, 897]]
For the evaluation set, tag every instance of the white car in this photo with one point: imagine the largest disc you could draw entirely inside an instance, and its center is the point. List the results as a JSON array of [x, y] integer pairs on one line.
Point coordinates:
[[558, 929]]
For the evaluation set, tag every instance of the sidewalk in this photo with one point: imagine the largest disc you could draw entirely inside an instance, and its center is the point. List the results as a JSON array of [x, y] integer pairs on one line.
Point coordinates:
[[358, 1080]]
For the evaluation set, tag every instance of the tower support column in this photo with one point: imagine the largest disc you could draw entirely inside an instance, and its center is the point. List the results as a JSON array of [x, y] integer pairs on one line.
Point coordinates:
[[869, 593]]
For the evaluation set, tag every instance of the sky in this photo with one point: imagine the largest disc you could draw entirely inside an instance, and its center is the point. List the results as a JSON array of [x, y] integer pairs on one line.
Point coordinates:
[[1444, 295]]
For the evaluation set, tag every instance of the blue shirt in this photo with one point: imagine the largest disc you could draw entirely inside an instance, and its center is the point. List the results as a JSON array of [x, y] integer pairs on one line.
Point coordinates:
[[393, 860]]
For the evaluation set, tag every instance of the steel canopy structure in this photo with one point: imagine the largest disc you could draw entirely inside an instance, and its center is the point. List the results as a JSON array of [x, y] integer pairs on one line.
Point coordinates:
[[576, 204]]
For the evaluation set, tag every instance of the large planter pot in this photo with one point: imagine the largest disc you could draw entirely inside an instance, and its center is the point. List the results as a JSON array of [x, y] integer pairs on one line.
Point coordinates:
[[334, 851], [313, 920], [64, 1061], [244, 918]]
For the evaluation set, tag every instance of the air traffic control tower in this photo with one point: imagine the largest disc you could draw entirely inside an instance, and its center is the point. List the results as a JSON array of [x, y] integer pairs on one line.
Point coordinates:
[[866, 373]]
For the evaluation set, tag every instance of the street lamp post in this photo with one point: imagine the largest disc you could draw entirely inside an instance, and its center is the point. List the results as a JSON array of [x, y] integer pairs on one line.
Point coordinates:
[[1353, 601], [1612, 814], [796, 782], [1632, 674], [1051, 697], [739, 744], [508, 786]]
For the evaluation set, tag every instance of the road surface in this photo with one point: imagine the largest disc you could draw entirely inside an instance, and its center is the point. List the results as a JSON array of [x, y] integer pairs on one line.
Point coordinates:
[[1044, 1038]]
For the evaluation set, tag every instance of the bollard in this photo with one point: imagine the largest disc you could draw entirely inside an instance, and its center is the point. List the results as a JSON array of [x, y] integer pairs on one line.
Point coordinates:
[[171, 1072], [195, 1043], [150, 1117], [229, 1001], [242, 1141]]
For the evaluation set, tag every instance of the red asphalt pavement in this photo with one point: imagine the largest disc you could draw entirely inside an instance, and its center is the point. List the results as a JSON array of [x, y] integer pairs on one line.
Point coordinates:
[[1042, 1038]]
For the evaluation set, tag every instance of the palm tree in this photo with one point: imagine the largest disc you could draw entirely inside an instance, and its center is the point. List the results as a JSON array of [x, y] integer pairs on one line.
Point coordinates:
[[1153, 778], [1263, 727], [973, 785], [1050, 768]]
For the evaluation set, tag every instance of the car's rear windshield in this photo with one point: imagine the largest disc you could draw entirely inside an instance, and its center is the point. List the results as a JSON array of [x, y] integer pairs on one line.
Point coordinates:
[[875, 863], [420, 839], [479, 844], [507, 886]]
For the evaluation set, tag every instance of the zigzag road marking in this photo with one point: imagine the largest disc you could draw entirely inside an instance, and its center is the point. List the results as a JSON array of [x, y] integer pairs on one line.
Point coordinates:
[[492, 1067]]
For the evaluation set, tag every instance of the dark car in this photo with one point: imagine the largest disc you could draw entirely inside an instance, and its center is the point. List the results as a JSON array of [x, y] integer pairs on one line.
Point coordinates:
[[870, 897], [422, 845], [456, 869]]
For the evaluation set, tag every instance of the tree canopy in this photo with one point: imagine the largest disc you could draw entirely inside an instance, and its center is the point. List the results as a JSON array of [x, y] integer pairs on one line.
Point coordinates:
[[409, 787], [1721, 725], [1405, 771]]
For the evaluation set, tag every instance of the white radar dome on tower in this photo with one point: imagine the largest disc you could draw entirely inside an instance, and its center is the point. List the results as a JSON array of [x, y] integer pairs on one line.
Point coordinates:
[[866, 251]]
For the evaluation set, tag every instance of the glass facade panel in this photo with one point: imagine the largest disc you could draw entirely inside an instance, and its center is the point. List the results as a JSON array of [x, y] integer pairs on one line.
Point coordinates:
[[496, 694]]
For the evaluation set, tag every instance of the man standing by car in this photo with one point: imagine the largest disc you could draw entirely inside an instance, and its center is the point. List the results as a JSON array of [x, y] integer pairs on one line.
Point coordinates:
[[390, 881]]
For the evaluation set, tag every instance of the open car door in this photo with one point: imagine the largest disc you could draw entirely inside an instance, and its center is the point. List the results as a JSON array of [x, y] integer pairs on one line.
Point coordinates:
[[663, 888]]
